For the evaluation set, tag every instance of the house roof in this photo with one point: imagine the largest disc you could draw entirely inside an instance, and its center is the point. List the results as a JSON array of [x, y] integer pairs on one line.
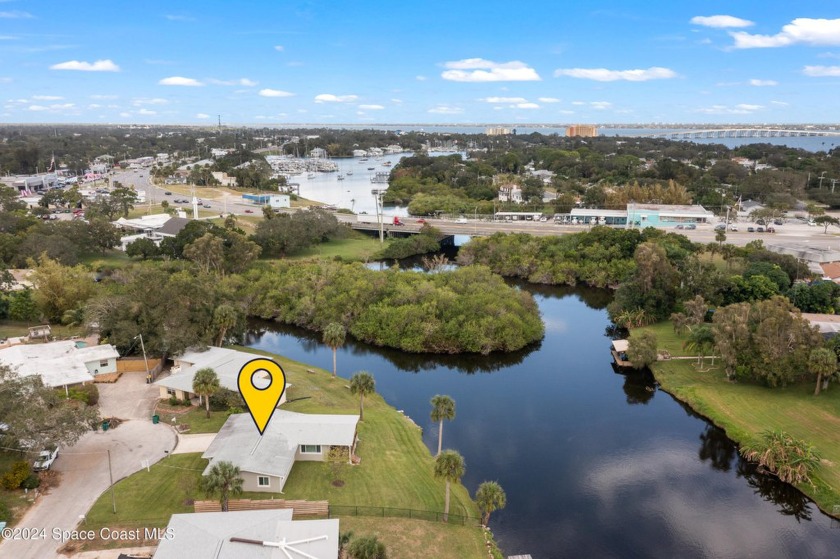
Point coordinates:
[[173, 226], [273, 452], [226, 362], [827, 323], [831, 269], [142, 223], [58, 363], [208, 534], [671, 210]]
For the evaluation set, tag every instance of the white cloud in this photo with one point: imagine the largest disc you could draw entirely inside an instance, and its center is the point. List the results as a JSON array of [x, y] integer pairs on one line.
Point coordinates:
[[420, 78], [94, 106], [174, 17], [279, 48], [604, 75], [821, 71], [274, 93], [763, 83], [103, 97], [202, 115], [53, 107], [481, 70], [330, 98], [47, 97], [549, 100], [146, 112], [79, 65], [601, 105], [739, 109], [140, 101], [566, 112], [503, 99], [525, 106], [779, 103], [371, 107], [180, 81], [721, 21], [446, 110], [578, 103], [241, 81], [16, 14], [828, 55], [125, 115], [397, 101], [807, 31], [37, 108], [5, 80]]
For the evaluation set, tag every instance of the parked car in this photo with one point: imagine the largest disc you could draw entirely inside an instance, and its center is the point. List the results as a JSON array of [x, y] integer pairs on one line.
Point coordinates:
[[760, 230], [249, 211], [733, 227], [778, 222], [207, 206], [45, 458], [167, 193], [421, 221], [690, 226], [680, 226], [750, 229], [771, 229], [461, 220], [759, 222], [720, 227]]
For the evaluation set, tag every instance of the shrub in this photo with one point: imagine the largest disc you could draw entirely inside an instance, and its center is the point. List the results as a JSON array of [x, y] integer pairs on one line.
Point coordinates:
[[16, 475], [89, 394], [5, 513], [224, 399], [31, 482], [173, 401]]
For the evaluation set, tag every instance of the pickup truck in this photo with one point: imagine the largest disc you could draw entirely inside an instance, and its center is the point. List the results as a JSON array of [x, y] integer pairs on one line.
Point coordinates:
[[45, 459]]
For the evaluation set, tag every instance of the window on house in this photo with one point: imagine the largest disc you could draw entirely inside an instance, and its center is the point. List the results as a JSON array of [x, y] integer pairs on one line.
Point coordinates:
[[263, 481], [103, 363], [310, 449]]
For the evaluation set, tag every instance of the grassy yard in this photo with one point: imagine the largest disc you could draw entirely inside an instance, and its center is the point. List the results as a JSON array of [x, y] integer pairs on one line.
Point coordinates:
[[13, 329], [746, 410], [357, 246], [418, 539], [395, 471], [666, 338], [111, 259], [196, 418]]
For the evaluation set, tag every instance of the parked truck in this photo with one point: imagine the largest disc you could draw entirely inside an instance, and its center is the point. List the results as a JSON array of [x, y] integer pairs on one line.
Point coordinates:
[[386, 219], [45, 458]]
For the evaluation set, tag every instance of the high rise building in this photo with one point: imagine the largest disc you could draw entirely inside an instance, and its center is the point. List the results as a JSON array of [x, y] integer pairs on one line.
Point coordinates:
[[583, 130]]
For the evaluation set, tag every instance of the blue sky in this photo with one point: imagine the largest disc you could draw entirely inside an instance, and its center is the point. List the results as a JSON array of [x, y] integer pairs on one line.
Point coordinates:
[[419, 62]]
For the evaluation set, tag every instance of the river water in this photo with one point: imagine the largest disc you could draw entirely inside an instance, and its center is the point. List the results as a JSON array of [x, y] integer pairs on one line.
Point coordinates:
[[595, 463]]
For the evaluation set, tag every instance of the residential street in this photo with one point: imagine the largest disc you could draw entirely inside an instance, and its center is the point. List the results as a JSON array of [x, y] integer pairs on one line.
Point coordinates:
[[84, 467]]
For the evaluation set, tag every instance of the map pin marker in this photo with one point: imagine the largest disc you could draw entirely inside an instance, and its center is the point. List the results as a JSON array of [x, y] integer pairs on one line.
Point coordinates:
[[261, 383]]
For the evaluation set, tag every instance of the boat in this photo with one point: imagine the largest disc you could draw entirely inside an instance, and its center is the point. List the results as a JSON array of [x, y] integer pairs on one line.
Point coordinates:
[[386, 164], [619, 353], [371, 168], [363, 159], [310, 175], [349, 172], [340, 177]]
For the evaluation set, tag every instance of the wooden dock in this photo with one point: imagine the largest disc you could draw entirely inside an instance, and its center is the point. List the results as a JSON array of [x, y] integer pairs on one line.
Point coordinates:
[[619, 353]]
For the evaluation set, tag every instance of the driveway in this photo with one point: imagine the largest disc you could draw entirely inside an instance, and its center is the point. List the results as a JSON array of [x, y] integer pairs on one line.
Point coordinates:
[[193, 443], [84, 466]]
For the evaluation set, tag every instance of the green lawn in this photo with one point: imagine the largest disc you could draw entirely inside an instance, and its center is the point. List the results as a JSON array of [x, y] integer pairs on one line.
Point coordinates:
[[356, 246], [13, 329], [395, 471], [197, 419], [666, 338], [111, 259], [745, 410]]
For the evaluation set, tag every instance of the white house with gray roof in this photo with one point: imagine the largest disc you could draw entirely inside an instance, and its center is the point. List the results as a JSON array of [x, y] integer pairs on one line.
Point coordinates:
[[253, 534], [226, 362], [265, 461], [63, 363]]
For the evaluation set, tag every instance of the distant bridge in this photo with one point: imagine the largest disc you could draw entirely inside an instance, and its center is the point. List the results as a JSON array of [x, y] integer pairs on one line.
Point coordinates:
[[737, 133]]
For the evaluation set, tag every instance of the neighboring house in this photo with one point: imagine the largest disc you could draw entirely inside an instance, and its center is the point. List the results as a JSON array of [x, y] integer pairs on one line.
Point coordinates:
[[746, 208], [828, 324], [61, 363], [266, 460], [831, 271], [510, 193], [224, 179], [270, 534], [172, 227], [226, 362]]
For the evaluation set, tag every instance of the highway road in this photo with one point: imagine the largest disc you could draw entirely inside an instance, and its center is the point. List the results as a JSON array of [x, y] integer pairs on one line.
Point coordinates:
[[790, 233]]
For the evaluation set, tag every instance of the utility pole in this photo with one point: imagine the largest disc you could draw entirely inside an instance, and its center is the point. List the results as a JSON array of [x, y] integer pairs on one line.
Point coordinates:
[[377, 196], [833, 182], [146, 361], [111, 475], [821, 179]]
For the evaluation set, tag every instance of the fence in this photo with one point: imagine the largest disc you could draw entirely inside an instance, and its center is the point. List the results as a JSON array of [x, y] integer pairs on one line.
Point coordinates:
[[299, 508], [135, 364], [393, 512]]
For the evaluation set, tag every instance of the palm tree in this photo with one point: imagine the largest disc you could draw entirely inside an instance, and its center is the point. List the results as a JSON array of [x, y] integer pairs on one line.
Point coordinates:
[[792, 460], [449, 465], [222, 480], [822, 362], [443, 407], [225, 317], [701, 340], [205, 384], [489, 497], [362, 383], [334, 336]]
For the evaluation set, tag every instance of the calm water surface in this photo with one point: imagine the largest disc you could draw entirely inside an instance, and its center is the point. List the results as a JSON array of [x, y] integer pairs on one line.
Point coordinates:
[[594, 463]]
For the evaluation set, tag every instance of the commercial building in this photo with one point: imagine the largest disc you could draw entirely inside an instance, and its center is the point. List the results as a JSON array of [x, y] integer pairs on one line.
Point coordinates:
[[271, 200], [498, 131], [582, 130], [639, 215]]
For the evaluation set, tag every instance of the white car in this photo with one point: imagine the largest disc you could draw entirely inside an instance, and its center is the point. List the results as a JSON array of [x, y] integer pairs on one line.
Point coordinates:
[[461, 220], [733, 227]]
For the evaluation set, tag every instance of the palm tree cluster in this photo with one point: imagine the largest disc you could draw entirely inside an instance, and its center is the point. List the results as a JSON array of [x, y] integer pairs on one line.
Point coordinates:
[[790, 459]]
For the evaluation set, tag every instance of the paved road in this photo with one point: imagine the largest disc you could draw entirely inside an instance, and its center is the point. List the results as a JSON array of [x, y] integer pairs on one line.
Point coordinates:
[[84, 466]]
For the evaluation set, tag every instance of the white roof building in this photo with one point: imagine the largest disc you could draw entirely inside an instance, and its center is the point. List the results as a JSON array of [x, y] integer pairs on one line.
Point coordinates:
[[267, 534], [59, 363], [274, 452]]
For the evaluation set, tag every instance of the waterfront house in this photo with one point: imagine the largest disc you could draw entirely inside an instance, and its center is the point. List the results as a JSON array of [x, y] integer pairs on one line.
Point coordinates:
[[63, 363], [266, 460]]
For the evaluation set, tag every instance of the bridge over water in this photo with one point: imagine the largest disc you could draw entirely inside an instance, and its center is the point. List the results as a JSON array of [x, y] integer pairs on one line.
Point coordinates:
[[710, 134]]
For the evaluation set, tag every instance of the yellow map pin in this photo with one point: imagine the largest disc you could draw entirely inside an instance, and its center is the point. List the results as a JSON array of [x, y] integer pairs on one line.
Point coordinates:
[[261, 383]]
